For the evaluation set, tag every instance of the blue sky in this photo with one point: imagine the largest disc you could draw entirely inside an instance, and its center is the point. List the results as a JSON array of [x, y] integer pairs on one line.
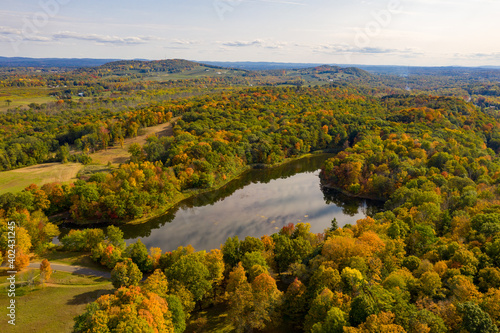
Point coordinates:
[[379, 32]]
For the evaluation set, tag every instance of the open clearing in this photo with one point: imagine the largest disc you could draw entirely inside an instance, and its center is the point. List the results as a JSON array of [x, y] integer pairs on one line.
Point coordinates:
[[12, 97], [52, 309], [17, 180], [117, 155]]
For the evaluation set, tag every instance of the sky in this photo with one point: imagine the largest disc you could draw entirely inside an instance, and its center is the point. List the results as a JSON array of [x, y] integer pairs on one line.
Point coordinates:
[[377, 32]]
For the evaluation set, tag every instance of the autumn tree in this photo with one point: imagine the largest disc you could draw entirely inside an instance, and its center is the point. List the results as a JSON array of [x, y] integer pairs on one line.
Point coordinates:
[[45, 271], [125, 274], [127, 310]]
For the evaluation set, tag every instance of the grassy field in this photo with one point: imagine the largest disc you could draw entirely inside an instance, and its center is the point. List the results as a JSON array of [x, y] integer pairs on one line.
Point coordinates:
[[73, 259], [117, 154], [53, 307], [17, 180], [23, 97]]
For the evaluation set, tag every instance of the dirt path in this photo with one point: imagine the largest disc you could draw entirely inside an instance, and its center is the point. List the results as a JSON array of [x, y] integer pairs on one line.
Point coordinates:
[[74, 269]]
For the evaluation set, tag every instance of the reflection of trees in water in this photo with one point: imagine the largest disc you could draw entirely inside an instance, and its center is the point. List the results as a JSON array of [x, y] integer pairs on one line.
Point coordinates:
[[351, 205], [310, 164]]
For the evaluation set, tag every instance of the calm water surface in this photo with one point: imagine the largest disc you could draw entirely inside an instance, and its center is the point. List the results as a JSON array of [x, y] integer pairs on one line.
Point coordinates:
[[259, 202]]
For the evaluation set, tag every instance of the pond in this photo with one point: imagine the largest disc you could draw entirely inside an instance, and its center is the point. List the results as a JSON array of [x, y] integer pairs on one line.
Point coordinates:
[[259, 202]]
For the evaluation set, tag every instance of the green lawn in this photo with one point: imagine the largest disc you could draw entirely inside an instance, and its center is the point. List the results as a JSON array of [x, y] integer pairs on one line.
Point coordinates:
[[18, 179], [73, 259], [52, 308]]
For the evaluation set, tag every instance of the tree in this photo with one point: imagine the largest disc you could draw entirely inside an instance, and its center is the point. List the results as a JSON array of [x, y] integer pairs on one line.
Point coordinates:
[[178, 315], [156, 283], [231, 251], [115, 237], [189, 271], [382, 322], [324, 277], [240, 298], [45, 271], [125, 274], [362, 306], [128, 310], [251, 244], [266, 301], [22, 260], [475, 320], [139, 255], [63, 153], [319, 309], [334, 322], [253, 258], [288, 251], [136, 152], [295, 303], [431, 283]]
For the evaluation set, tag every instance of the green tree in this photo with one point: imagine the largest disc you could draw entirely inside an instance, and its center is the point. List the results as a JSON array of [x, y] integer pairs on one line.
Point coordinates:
[[125, 274], [334, 322], [475, 320], [140, 256], [295, 303], [192, 273], [178, 315], [115, 236]]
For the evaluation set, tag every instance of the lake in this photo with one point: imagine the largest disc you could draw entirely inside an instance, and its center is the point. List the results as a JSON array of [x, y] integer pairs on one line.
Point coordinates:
[[259, 202]]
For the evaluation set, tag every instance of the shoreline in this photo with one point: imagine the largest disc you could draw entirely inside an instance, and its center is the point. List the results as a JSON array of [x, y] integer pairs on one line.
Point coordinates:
[[351, 195], [187, 194]]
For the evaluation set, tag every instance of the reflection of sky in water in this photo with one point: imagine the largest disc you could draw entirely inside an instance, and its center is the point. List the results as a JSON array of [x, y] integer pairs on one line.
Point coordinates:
[[255, 210]]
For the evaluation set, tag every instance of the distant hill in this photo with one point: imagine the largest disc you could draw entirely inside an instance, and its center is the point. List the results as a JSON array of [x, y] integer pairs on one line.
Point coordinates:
[[169, 65], [52, 62], [259, 66], [159, 70]]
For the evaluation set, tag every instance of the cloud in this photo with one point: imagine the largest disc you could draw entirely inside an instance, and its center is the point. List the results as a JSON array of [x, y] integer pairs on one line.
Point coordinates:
[[9, 31], [479, 55], [13, 35], [281, 2], [104, 38], [349, 49], [255, 43], [185, 42]]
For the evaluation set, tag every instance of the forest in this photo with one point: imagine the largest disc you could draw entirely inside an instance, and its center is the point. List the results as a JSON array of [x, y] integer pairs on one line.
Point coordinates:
[[429, 261]]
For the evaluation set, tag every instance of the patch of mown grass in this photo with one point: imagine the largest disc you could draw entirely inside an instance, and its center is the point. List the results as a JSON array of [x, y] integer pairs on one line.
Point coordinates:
[[214, 319], [50, 308], [71, 258], [65, 278], [18, 179]]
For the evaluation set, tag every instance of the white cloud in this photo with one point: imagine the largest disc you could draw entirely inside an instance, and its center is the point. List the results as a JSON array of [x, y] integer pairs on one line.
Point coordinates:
[[104, 38], [255, 43]]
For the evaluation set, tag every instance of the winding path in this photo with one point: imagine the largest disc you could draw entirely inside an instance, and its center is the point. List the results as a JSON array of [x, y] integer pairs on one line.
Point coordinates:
[[74, 269]]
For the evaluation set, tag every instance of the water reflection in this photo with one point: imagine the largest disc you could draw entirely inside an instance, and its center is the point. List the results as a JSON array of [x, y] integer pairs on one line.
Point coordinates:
[[260, 202]]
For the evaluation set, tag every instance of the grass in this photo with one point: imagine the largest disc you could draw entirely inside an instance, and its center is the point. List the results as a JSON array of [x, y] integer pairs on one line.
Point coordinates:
[[52, 308], [65, 278], [72, 259], [214, 319], [19, 179], [23, 97]]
